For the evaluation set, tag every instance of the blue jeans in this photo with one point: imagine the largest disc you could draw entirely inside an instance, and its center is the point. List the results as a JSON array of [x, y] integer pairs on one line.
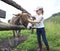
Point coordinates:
[[41, 32]]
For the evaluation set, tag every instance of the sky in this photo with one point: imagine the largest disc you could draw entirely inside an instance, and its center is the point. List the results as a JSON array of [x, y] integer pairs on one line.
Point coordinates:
[[50, 7]]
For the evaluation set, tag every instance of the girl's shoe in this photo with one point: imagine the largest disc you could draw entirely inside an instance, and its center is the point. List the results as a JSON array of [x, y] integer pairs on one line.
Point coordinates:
[[47, 48], [38, 49]]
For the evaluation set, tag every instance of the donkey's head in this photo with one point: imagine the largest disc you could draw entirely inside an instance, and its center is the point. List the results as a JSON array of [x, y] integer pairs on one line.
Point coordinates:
[[22, 18]]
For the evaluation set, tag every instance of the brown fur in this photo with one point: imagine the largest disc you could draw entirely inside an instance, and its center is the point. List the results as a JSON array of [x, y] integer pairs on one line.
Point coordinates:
[[19, 19]]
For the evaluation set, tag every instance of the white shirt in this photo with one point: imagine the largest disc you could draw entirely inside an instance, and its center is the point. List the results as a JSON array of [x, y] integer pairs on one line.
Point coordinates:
[[41, 24]]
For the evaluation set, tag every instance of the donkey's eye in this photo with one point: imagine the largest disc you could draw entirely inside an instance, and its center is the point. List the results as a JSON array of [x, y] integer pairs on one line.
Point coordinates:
[[36, 10]]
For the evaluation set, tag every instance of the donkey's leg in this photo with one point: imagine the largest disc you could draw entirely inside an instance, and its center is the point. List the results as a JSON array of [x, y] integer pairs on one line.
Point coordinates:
[[18, 33], [14, 33]]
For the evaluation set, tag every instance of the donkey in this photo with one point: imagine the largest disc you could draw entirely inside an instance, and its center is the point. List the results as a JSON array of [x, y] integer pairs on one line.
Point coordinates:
[[20, 19]]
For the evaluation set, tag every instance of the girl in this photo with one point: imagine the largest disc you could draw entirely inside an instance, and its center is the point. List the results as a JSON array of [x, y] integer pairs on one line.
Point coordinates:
[[40, 29]]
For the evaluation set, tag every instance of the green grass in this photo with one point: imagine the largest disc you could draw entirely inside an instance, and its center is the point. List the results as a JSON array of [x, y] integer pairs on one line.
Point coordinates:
[[52, 34], [5, 34], [55, 19]]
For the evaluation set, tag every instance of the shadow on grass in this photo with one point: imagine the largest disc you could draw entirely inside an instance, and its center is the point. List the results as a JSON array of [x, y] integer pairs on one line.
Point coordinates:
[[52, 49], [44, 49]]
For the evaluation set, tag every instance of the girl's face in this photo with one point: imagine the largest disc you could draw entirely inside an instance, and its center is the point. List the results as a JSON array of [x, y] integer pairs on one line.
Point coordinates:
[[39, 12]]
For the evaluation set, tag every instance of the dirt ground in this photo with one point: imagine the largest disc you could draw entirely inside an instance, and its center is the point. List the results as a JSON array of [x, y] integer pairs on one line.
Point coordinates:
[[8, 44]]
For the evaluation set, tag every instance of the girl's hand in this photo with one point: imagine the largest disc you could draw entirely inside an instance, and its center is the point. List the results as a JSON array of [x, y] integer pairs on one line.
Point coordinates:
[[29, 20]]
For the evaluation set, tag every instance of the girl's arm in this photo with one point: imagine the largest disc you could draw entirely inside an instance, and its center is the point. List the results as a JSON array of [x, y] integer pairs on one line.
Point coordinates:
[[36, 21]]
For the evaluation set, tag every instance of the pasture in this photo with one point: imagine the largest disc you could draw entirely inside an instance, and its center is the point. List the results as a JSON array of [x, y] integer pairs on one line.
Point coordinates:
[[52, 33]]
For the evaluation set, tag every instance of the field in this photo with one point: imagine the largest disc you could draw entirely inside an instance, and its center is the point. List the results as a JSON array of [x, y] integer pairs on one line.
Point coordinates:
[[52, 33], [53, 37]]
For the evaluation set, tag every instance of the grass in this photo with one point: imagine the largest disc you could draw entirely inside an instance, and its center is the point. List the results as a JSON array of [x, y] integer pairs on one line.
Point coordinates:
[[52, 34], [5, 34]]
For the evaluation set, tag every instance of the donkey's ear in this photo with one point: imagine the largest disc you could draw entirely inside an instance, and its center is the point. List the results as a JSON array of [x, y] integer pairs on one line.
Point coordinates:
[[25, 14], [19, 14]]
